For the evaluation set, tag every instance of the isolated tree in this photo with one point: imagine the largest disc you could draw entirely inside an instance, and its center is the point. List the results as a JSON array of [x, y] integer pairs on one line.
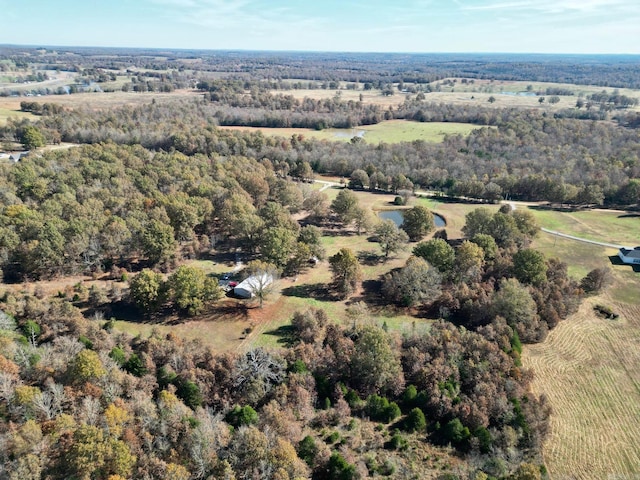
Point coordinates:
[[338, 468], [262, 278], [299, 259], [390, 237], [317, 204], [375, 365], [597, 280], [438, 253], [468, 261], [312, 236], [414, 284], [364, 220], [529, 266], [345, 206], [488, 245], [359, 179], [147, 290], [418, 221], [277, 244], [415, 421], [157, 241], [31, 137], [191, 288], [346, 271]]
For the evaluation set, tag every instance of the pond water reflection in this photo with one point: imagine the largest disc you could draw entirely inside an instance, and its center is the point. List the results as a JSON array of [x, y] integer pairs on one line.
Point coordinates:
[[396, 217]]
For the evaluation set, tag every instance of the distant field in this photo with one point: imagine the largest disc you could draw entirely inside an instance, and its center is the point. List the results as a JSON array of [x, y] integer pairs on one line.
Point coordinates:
[[374, 97], [6, 113], [98, 100], [602, 225], [391, 131]]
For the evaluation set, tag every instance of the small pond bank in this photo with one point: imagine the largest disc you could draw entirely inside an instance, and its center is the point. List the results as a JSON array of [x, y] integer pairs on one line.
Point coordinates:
[[396, 217]]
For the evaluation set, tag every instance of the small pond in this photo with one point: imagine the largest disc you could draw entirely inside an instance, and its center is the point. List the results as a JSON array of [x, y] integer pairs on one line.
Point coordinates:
[[396, 216]]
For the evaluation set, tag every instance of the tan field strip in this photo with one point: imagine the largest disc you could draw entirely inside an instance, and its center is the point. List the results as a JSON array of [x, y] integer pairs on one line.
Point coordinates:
[[589, 369]]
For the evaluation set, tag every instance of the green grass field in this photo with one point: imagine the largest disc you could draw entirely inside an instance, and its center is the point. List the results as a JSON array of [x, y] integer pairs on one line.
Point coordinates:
[[225, 328], [605, 226], [6, 113], [391, 131], [601, 225]]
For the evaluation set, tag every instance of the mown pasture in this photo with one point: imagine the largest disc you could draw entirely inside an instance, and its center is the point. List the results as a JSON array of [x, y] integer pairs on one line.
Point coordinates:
[[391, 131]]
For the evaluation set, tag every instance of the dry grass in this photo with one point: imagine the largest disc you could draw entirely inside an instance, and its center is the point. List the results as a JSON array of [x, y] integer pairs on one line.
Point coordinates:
[[390, 131], [102, 100], [588, 369], [374, 97], [6, 113]]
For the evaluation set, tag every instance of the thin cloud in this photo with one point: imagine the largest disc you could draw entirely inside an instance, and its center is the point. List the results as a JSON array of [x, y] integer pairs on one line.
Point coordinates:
[[552, 6], [252, 17]]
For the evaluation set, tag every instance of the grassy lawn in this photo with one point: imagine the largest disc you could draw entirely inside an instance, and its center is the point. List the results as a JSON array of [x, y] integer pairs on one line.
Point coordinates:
[[391, 131], [605, 226], [396, 131], [6, 113], [225, 328], [610, 227]]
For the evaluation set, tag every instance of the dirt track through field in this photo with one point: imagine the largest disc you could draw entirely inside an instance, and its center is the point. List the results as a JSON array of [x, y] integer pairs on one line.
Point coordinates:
[[588, 368]]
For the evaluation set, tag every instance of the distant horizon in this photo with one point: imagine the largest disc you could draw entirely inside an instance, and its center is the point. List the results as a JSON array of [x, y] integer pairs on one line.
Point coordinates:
[[572, 27], [362, 52]]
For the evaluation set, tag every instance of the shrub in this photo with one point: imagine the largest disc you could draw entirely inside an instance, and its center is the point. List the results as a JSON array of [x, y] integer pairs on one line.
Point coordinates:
[[135, 366], [397, 442], [415, 421], [307, 450], [242, 416], [118, 355], [339, 469], [31, 329], [606, 312], [333, 437]]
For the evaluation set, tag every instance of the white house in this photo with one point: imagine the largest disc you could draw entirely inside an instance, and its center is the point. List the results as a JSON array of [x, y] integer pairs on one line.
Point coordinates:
[[249, 286], [630, 255]]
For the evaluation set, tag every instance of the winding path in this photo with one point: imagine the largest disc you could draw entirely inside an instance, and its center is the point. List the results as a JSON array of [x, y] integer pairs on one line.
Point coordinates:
[[572, 237], [579, 239]]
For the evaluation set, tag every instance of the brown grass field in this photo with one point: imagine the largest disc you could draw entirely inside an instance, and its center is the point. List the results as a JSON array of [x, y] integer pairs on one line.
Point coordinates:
[[587, 367]]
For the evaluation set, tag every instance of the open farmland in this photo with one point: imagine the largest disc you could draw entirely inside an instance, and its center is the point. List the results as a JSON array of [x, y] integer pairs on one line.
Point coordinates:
[[102, 100], [587, 369], [391, 131], [586, 366], [6, 113]]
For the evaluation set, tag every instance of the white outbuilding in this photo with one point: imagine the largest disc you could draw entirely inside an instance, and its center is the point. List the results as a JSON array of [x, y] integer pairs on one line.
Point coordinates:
[[253, 284], [629, 255]]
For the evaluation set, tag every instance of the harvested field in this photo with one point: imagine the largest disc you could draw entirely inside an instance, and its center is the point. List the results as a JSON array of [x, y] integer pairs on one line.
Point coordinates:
[[587, 367], [101, 100], [391, 131]]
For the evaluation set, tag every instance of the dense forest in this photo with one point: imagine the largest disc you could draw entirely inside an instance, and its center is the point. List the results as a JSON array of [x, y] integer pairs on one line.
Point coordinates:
[[516, 154], [382, 68]]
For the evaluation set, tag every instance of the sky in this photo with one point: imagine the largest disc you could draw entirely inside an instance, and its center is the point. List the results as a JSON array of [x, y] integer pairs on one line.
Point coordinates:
[[428, 26]]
